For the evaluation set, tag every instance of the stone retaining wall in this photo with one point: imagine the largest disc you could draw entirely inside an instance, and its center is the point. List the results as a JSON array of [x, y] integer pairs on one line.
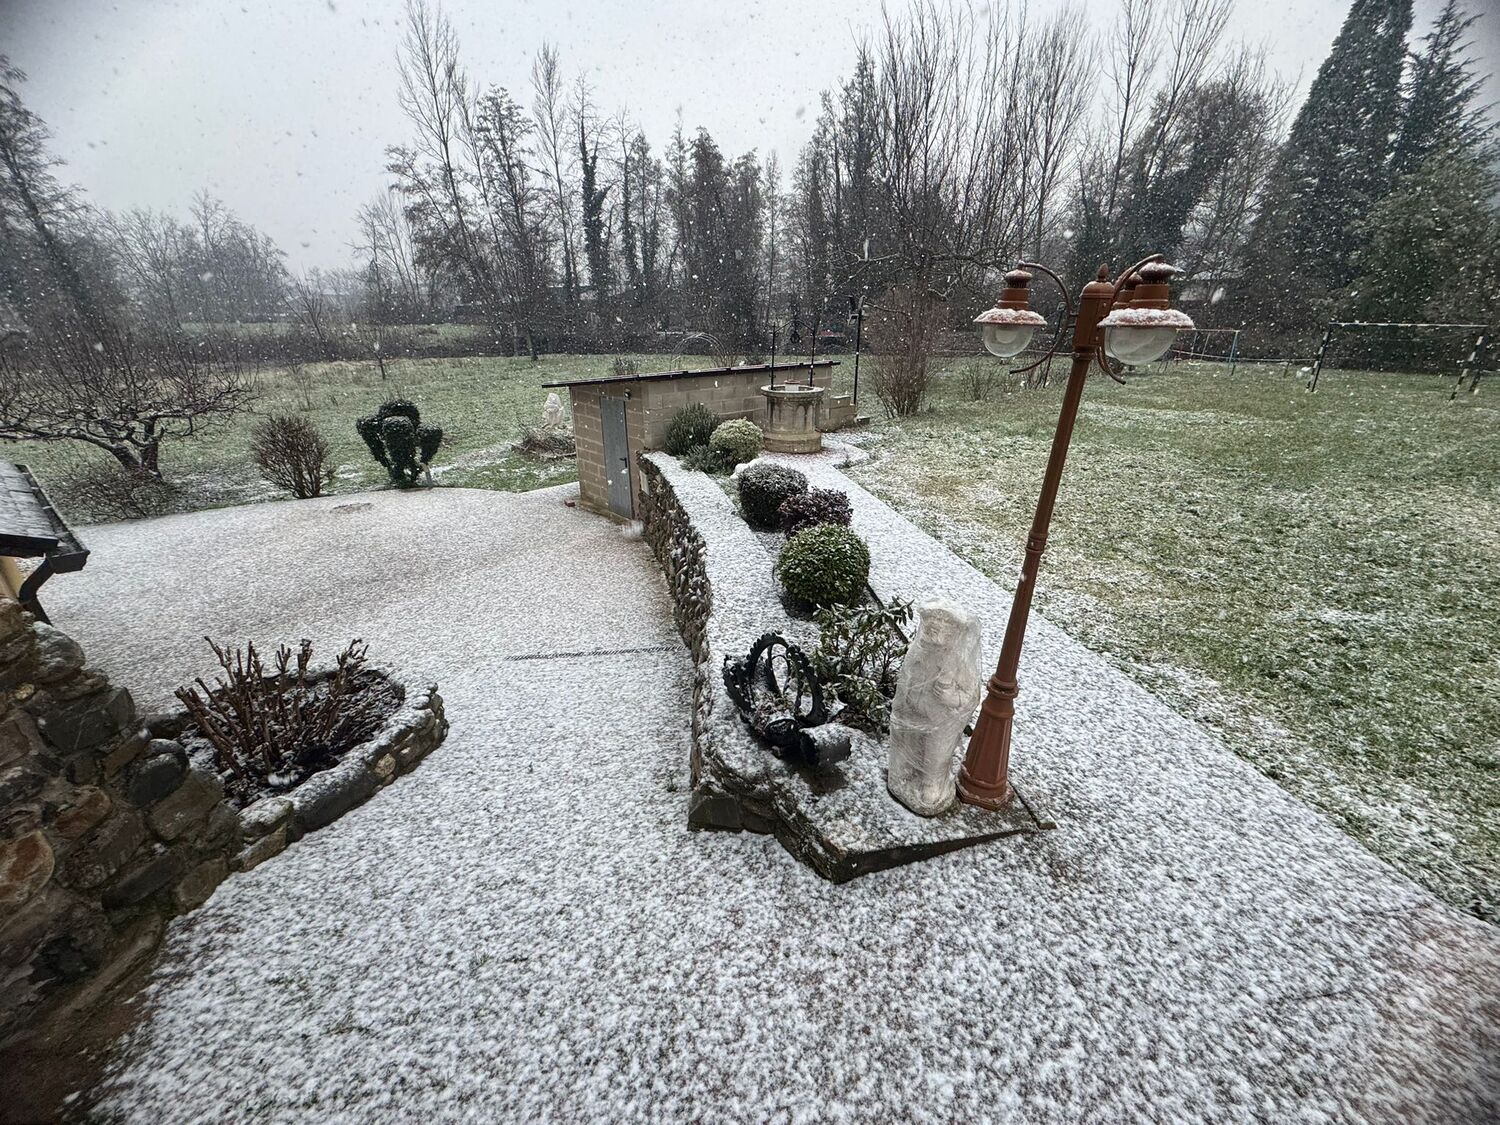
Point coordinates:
[[723, 598], [108, 828]]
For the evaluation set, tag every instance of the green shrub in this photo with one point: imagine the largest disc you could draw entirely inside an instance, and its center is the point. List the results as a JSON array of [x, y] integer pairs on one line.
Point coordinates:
[[763, 487], [690, 426], [859, 655], [737, 441], [825, 565], [704, 459], [815, 506], [398, 440]]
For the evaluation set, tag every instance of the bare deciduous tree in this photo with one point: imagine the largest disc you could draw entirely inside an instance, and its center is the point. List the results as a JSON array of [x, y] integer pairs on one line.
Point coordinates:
[[122, 392]]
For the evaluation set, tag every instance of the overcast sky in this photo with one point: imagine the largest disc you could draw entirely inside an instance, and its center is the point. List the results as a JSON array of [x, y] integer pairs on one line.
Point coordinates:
[[283, 108]]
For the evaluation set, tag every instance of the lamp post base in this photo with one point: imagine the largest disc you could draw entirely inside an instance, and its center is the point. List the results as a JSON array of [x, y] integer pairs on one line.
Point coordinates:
[[971, 792]]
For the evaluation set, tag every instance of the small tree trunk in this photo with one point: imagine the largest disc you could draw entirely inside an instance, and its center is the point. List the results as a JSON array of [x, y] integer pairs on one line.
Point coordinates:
[[127, 458], [150, 453]]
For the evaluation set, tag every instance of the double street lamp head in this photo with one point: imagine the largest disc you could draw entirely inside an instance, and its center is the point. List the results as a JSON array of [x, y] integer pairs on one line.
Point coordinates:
[[1138, 329]]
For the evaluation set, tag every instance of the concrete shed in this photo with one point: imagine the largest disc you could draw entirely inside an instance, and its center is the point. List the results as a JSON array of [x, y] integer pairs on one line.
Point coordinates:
[[618, 417]]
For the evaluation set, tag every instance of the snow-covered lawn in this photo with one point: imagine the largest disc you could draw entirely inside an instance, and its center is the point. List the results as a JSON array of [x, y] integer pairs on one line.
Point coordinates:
[[1313, 576], [523, 930]]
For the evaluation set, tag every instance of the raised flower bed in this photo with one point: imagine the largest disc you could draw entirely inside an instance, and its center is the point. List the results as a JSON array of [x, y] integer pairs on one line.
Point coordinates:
[[843, 823]]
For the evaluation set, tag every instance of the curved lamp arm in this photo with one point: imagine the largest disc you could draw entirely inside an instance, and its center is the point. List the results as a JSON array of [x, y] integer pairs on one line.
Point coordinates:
[[1062, 325]]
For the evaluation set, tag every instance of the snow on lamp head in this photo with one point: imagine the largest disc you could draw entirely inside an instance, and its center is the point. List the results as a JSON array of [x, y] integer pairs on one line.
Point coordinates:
[[1140, 327], [1006, 329]]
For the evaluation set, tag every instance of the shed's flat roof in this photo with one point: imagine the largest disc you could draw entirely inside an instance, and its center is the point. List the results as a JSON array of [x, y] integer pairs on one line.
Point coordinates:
[[700, 371]]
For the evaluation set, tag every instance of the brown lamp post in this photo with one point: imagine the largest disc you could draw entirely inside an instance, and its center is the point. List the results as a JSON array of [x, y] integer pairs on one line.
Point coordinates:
[[1128, 320]]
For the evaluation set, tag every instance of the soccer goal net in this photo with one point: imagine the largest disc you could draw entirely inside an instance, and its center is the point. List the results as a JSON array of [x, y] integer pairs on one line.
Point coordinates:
[[1462, 352]]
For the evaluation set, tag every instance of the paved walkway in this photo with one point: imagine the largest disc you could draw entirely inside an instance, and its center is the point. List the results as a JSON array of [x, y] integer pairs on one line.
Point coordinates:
[[523, 930]]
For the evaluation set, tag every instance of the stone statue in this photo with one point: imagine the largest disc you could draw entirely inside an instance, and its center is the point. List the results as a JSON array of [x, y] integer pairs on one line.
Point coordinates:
[[552, 412], [936, 693]]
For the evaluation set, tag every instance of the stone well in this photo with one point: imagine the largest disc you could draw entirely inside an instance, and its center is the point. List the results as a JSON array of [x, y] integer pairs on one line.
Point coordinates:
[[791, 423]]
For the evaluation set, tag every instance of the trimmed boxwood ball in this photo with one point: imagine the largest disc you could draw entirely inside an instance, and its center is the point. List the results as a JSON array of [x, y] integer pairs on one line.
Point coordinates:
[[815, 506], [763, 486], [737, 441], [824, 565], [692, 425]]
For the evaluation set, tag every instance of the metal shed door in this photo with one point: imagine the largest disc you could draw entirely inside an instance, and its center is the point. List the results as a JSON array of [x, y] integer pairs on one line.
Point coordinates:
[[617, 456]]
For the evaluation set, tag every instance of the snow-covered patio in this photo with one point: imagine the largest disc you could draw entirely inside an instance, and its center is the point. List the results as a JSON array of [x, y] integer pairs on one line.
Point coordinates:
[[522, 928]]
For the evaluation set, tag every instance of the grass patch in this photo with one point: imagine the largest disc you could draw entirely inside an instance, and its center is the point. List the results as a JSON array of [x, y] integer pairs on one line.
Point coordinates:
[[1316, 576]]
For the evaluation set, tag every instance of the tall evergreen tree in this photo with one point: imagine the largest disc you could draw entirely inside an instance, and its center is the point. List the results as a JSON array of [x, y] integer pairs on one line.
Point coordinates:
[[1434, 246], [1335, 165], [1440, 114], [1431, 245]]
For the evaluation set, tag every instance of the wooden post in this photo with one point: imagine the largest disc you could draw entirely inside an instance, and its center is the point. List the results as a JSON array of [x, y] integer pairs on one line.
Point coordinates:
[[1471, 367]]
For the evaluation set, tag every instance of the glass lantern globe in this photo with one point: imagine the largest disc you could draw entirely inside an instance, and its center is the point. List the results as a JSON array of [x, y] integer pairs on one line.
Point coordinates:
[[1006, 331], [1006, 340], [1138, 336], [1138, 346]]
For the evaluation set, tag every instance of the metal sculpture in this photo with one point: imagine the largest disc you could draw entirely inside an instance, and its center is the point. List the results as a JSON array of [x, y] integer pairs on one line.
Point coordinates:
[[781, 699]]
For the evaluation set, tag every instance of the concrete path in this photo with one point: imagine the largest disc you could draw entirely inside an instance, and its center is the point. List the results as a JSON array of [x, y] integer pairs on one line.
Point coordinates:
[[523, 930]]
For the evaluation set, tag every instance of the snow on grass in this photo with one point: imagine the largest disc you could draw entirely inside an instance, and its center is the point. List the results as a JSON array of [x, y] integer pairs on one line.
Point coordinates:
[[1324, 567], [522, 929]]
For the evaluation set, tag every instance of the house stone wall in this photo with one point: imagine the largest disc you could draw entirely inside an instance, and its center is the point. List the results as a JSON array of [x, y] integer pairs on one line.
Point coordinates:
[[108, 828]]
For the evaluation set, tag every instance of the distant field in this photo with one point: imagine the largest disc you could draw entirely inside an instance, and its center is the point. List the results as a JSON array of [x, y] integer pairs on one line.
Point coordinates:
[[1318, 576], [481, 403]]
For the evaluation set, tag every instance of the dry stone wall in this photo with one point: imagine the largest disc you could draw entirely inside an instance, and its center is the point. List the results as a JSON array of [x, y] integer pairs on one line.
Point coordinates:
[[108, 828]]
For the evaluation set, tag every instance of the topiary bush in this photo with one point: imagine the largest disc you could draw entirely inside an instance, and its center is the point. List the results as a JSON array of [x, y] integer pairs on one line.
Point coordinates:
[[824, 565], [398, 440], [692, 425], [764, 486], [737, 441], [815, 506]]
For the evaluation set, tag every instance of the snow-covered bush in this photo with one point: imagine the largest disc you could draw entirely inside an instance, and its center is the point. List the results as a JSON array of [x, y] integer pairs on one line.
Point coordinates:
[[763, 488], [859, 654], [815, 506], [271, 728], [825, 565], [692, 425], [397, 439], [737, 441]]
